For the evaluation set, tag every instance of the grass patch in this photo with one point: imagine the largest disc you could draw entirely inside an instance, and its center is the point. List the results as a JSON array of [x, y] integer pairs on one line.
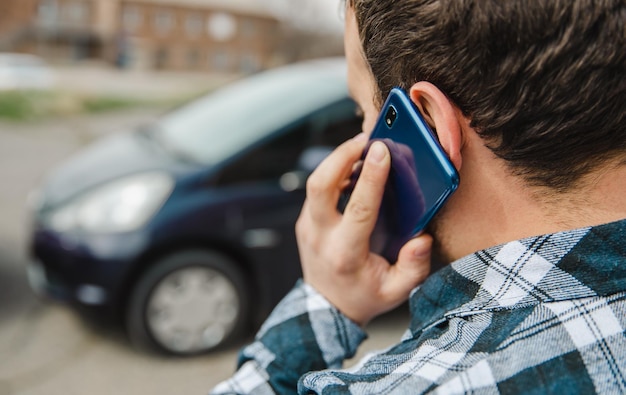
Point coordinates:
[[35, 105], [105, 104], [18, 105]]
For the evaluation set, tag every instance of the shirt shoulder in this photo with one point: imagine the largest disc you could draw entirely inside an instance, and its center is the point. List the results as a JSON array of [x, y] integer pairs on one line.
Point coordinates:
[[539, 348]]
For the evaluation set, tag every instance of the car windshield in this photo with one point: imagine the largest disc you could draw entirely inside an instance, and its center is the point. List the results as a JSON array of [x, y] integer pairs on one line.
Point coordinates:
[[226, 121]]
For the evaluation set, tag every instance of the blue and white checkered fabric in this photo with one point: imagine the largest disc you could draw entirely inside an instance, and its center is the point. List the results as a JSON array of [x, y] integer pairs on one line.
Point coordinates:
[[539, 315]]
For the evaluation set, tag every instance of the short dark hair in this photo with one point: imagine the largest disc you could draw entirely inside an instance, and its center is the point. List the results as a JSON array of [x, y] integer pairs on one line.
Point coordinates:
[[543, 81]]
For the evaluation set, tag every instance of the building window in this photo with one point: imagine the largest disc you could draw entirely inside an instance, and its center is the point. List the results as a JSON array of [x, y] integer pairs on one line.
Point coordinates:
[[193, 58], [131, 18], [248, 28], [249, 63], [220, 60], [76, 12], [193, 25], [48, 11], [161, 58], [163, 22]]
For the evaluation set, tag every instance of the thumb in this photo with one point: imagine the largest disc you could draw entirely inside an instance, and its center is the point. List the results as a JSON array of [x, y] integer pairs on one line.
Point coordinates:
[[413, 264]]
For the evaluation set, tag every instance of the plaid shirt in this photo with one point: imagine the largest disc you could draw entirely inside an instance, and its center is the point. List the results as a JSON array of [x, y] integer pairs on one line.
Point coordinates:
[[540, 315]]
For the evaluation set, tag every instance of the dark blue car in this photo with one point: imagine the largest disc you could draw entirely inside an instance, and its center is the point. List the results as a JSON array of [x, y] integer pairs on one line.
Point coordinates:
[[184, 229]]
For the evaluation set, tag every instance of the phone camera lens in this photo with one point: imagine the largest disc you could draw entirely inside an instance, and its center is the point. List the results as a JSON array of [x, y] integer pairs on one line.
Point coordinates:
[[390, 116]]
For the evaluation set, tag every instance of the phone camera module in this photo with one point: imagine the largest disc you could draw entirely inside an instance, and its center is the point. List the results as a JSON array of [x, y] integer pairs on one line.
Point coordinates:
[[390, 116]]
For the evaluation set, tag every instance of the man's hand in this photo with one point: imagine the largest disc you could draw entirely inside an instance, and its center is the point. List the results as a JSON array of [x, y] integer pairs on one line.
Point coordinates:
[[334, 248]]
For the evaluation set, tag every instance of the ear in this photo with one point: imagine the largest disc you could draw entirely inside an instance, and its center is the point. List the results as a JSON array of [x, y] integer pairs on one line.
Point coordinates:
[[442, 116]]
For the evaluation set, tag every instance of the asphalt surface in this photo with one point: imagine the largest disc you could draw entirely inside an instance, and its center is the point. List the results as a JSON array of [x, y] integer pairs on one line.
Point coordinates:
[[45, 348], [48, 349]]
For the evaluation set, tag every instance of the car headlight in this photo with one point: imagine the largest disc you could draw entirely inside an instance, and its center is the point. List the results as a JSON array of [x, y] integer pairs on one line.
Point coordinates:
[[119, 206]]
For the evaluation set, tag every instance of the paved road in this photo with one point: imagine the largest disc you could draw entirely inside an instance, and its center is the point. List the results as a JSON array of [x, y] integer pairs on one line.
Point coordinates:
[[46, 349]]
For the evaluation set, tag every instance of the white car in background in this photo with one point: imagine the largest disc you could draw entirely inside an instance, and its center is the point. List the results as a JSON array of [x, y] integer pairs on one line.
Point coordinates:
[[24, 72]]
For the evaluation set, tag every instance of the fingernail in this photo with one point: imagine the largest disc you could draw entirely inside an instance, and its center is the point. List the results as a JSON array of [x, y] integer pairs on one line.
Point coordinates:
[[377, 152], [423, 248]]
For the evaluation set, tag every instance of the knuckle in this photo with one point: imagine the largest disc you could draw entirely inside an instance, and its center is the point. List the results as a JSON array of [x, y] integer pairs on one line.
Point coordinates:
[[359, 211], [340, 262], [302, 227], [314, 187]]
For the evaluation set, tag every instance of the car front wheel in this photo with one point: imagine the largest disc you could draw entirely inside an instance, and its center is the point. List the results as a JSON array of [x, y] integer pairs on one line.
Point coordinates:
[[188, 303]]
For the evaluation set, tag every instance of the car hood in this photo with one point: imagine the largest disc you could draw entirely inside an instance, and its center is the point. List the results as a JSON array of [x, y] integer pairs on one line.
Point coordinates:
[[105, 160]]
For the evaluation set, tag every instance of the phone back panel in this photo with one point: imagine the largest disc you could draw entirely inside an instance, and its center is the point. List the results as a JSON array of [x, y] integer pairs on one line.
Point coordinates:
[[420, 180]]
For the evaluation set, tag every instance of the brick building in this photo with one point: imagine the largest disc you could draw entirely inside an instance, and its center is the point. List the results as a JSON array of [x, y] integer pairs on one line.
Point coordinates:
[[215, 35]]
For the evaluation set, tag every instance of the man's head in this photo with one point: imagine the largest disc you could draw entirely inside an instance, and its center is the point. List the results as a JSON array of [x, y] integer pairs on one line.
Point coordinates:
[[541, 82]]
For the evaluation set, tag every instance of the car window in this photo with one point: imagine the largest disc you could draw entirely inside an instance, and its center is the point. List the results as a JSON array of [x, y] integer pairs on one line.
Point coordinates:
[[223, 123], [336, 124], [280, 154], [270, 160]]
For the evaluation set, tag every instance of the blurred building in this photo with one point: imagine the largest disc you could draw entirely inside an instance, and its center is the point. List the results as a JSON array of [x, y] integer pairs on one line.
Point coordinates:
[[213, 35]]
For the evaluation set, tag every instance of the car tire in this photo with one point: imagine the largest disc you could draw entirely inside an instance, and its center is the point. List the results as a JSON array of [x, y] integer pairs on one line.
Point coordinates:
[[188, 303]]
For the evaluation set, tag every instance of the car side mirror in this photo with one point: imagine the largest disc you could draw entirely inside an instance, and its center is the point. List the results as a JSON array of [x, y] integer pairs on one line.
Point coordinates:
[[308, 161]]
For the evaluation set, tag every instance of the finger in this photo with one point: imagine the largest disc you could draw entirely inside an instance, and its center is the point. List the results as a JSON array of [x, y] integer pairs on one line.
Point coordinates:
[[361, 212], [329, 179], [413, 265]]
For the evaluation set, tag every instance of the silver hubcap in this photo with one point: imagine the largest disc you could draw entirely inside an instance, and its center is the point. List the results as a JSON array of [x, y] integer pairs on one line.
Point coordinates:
[[193, 309]]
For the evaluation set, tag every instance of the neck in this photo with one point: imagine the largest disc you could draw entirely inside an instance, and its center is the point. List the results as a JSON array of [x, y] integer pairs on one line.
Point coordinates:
[[597, 199], [493, 207]]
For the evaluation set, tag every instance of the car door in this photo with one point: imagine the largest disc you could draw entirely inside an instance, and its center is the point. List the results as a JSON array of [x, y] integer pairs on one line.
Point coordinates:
[[267, 186]]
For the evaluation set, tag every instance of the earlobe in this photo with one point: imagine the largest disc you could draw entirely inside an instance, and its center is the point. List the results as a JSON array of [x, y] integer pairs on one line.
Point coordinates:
[[442, 116]]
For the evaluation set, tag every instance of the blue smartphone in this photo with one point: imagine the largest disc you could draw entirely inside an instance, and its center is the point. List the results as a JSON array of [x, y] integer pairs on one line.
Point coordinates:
[[420, 181]]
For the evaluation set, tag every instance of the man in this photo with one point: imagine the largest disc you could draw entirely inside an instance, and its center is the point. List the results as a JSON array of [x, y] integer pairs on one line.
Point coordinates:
[[528, 99]]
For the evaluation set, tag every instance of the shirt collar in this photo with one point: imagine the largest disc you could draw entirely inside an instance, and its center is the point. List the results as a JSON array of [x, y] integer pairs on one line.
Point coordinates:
[[568, 265]]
